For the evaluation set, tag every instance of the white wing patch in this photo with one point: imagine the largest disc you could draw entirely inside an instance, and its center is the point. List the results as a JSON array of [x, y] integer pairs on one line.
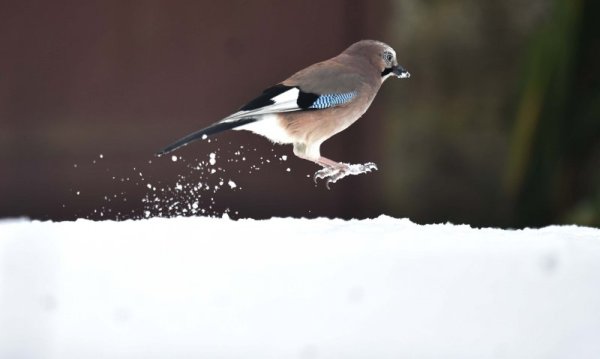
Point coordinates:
[[290, 95], [284, 102]]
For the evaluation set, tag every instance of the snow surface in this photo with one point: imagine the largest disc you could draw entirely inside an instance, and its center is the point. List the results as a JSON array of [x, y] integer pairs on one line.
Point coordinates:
[[296, 288]]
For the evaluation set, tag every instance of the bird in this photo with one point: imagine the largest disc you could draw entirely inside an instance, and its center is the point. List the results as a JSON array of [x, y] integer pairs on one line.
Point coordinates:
[[314, 104]]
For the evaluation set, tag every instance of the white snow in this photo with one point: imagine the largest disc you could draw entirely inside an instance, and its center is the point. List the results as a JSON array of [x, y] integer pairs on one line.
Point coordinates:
[[296, 288]]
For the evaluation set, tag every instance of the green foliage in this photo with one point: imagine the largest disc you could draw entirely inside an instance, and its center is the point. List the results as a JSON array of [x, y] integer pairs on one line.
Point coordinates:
[[557, 126]]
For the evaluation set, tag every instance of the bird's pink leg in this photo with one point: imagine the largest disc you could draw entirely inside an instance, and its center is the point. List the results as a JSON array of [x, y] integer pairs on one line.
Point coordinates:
[[326, 162], [333, 171]]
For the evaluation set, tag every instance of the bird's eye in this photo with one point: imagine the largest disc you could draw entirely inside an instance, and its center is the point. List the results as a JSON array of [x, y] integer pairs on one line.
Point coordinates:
[[388, 57]]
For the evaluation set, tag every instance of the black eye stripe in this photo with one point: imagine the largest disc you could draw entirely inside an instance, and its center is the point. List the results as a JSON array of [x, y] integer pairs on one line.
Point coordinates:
[[386, 71]]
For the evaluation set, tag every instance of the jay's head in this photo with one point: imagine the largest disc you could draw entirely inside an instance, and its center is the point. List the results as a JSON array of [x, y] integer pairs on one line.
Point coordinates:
[[380, 56]]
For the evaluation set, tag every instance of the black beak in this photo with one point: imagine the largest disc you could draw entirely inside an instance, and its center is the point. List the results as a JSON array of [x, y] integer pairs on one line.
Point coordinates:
[[400, 72]]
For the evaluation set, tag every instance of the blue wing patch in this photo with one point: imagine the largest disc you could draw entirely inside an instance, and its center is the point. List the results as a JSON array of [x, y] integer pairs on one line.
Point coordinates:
[[332, 100]]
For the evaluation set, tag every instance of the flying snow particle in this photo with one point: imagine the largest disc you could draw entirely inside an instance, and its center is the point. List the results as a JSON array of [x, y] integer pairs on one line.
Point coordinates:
[[284, 158], [212, 159], [232, 184], [174, 158], [101, 155]]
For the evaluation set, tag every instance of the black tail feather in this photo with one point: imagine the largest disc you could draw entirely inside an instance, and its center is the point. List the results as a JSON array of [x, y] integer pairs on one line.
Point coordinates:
[[208, 131]]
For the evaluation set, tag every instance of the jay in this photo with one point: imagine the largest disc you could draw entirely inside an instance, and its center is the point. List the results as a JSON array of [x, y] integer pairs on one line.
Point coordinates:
[[314, 104]]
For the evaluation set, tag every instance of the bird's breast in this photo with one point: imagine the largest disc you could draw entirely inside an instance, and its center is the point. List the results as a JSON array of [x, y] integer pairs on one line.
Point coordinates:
[[319, 125]]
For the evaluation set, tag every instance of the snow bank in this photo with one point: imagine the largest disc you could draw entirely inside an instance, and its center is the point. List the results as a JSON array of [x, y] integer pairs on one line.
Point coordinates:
[[295, 288]]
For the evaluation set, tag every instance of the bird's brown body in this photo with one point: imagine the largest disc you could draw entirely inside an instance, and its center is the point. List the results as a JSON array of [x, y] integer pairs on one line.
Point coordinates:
[[316, 103]]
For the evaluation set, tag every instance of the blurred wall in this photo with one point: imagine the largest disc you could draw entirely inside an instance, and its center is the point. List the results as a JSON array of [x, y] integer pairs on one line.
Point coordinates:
[[90, 90]]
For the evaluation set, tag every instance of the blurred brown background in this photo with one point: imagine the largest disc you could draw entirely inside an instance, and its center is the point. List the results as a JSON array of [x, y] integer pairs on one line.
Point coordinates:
[[499, 124]]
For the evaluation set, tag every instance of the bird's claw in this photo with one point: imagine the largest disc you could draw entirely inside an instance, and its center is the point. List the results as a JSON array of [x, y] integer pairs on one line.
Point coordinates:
[[333, 174]]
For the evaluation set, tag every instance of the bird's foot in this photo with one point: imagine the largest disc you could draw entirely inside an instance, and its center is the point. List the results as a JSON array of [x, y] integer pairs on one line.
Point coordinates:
[[335, 173]]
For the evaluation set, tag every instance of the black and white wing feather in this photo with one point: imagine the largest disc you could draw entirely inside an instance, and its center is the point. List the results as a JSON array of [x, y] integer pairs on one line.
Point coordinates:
[[277, 99]]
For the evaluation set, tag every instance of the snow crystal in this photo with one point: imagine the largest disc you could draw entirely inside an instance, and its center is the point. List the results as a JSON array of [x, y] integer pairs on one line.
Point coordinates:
[[174, 158]]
